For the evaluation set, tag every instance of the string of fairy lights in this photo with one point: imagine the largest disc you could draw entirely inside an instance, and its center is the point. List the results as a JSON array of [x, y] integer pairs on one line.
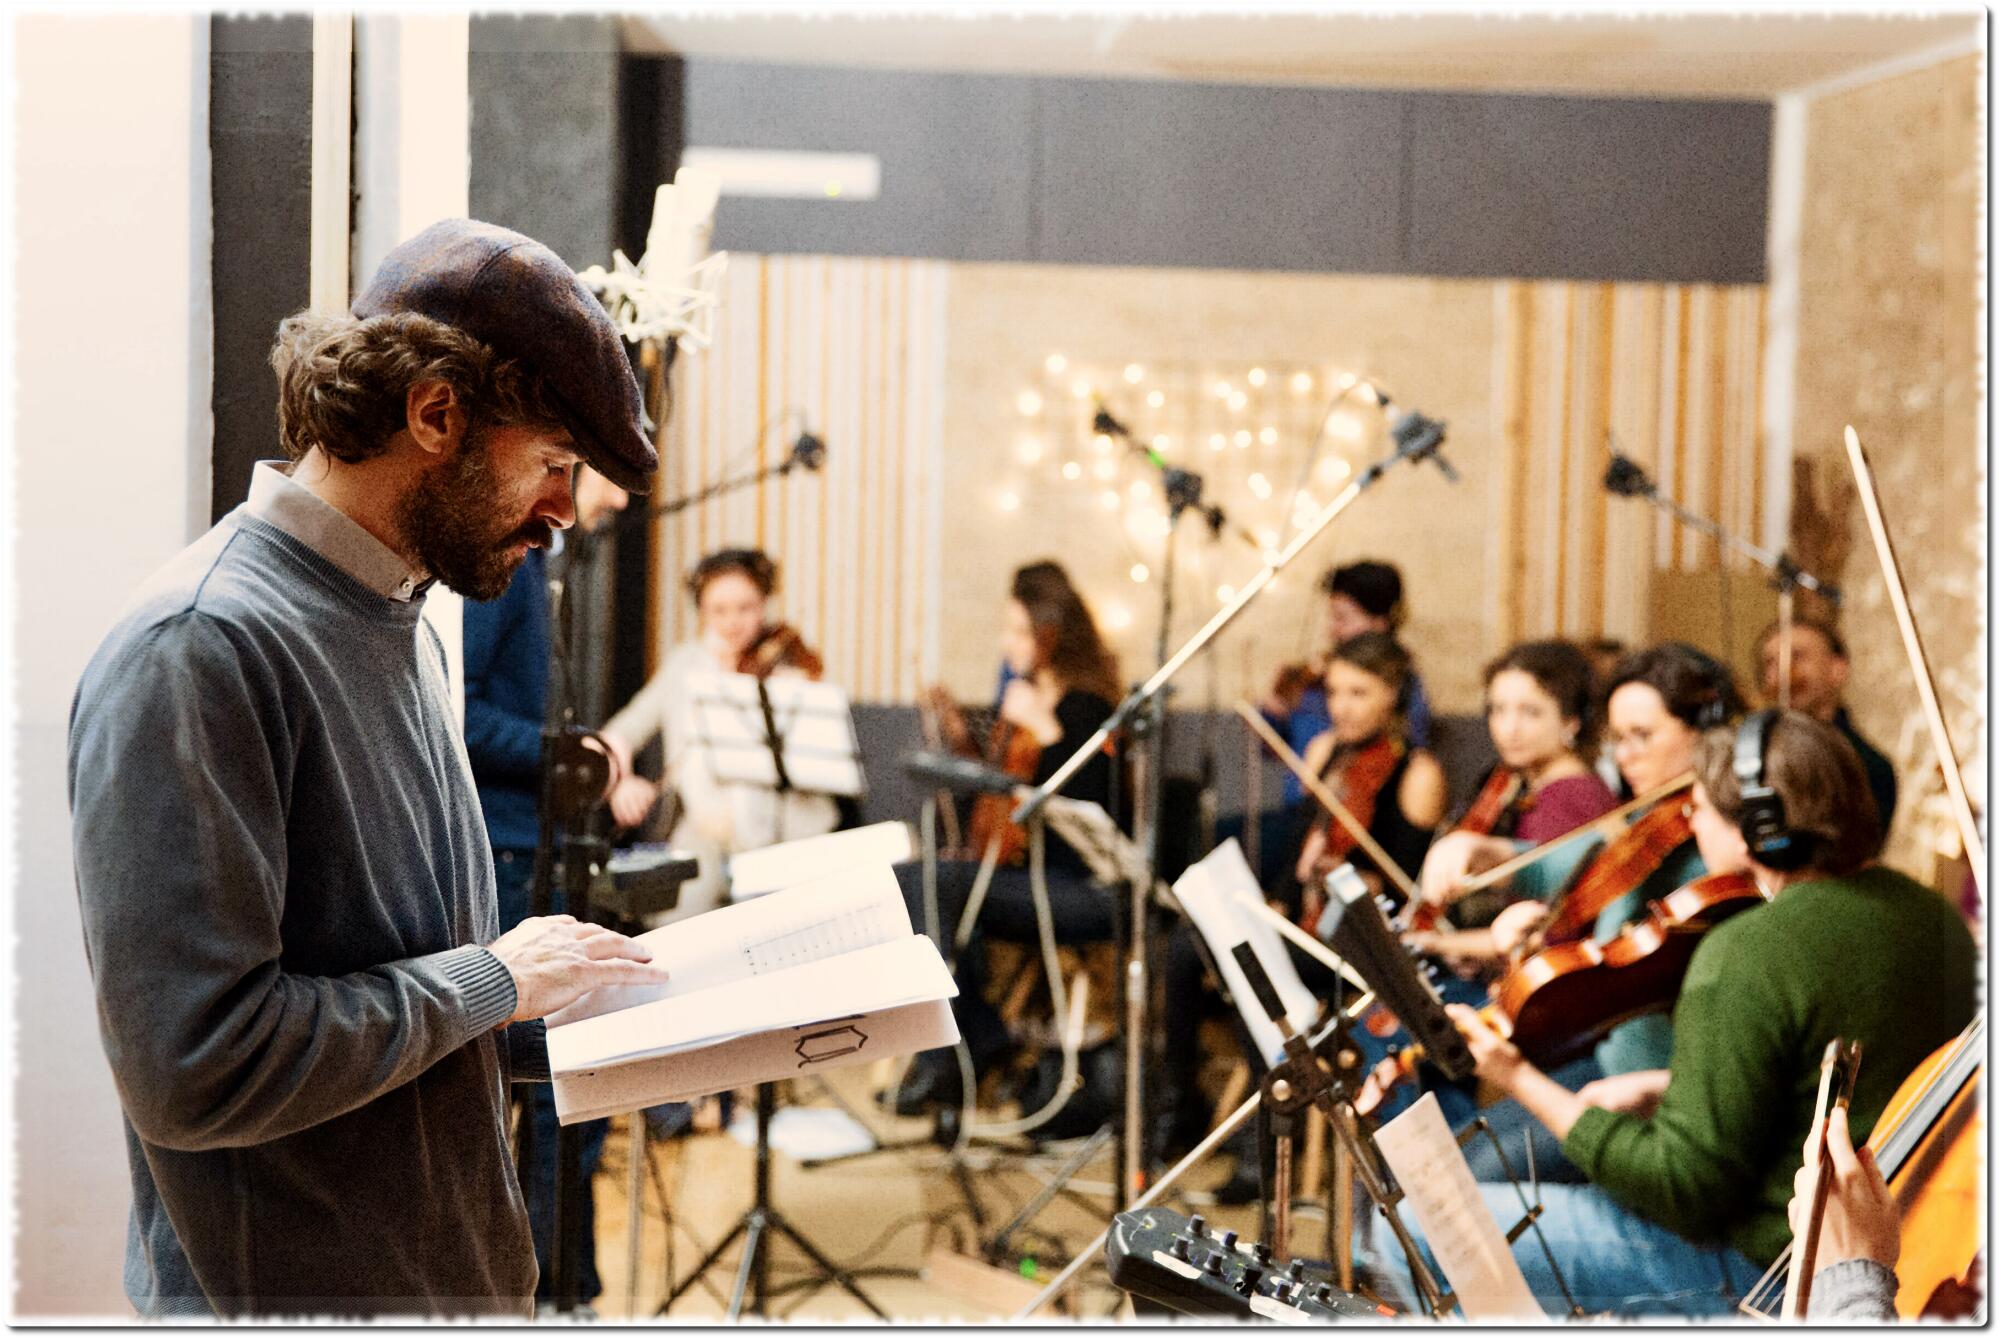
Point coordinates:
[[1272, 443]]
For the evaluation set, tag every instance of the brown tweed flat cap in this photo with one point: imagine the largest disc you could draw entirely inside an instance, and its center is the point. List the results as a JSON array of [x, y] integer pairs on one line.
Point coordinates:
[[518, 297]]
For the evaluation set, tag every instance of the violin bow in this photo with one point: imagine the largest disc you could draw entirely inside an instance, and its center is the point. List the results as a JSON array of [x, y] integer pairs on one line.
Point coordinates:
[[1328, 801], [1507, 869], [1920, 669]]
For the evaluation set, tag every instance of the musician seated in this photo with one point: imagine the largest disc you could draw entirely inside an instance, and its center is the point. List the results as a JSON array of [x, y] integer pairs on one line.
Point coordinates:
[[1394, 790], [1365, 596], [1661, 699], [1690, 1176], [1064, 682], [732, 590], [1539, 699], [1539, 713], [1860, 1232]]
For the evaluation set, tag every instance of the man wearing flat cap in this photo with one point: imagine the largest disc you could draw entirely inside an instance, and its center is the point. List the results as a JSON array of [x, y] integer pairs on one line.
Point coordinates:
[[287, 892]]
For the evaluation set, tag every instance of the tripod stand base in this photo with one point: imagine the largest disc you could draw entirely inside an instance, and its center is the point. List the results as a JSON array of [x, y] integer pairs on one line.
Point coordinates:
[[756, 1229]]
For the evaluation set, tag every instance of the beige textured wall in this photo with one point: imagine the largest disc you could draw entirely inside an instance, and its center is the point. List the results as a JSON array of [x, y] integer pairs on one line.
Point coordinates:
[[1428, 341], [1889, 341]]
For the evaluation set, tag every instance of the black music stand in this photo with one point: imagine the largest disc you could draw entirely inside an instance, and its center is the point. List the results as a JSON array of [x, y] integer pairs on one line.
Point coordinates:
[[782, 761]]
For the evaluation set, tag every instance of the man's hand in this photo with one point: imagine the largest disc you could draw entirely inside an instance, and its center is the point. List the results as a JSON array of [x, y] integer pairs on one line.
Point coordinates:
[[556, 959], [1635, 1094], [1861, 1220]]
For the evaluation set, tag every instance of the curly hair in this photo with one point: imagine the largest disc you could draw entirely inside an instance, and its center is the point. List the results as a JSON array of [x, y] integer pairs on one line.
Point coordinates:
[[1065, 633], [1561, 670], [754, 565], [344, 382]]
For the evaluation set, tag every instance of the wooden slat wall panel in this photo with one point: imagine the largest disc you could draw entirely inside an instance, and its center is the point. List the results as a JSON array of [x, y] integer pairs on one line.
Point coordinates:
[[854, 350], [1674, 373]]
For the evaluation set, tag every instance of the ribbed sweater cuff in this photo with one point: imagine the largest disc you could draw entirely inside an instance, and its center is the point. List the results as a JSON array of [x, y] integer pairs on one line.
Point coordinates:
[[484, 983]]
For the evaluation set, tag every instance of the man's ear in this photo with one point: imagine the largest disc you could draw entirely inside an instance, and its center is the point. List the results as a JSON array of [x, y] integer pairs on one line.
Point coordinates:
[[433, 416]]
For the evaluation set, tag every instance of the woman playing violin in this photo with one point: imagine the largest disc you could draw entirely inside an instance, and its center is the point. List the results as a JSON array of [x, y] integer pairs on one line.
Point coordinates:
[[731, 589], [1691, 1170], [1538, 711], [1061, 689], [1661, 699], [1395, 791]]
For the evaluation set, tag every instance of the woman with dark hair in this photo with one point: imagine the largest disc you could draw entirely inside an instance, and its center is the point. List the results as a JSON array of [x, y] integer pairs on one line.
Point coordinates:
[[1395, 791], [1661, 699], [1063, 683], [1689, 1181], [1539, 712], [731, 589]]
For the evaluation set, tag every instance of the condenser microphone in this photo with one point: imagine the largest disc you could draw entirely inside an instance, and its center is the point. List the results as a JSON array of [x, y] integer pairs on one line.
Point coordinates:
[[1625, 477], [1107, 425], [808, 451]]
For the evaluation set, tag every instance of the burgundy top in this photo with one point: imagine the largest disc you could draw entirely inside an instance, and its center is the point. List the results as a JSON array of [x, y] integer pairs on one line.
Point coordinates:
[[1563, 805]]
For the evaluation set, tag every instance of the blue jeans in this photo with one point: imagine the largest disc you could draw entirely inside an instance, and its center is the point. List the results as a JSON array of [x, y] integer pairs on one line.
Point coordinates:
[[1513, 1126], [513, 871], [1613, 1260]]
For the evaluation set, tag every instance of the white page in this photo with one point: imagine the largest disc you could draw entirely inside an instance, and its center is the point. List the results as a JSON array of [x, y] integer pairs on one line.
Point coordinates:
[[760, 1058], [813, 720], [1470, 1249], [789, 864], [881, 976], [852, 909], [1207, 891]]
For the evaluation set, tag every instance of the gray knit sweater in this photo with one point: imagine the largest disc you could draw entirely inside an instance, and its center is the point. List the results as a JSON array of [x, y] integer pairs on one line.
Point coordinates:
[[285, 882]]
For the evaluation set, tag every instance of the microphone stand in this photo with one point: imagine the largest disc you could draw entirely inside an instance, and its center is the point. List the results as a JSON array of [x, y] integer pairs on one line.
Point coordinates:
[[1417, 439], [1627, 478], [808, 453]]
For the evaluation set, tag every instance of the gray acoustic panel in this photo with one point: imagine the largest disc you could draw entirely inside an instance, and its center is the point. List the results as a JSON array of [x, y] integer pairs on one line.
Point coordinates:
[[1139, 172], [1589, 188], [260, 153], [543, 135], [956, 151]]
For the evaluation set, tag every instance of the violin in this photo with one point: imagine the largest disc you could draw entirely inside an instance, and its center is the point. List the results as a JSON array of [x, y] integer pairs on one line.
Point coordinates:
[[1562, 1001], [1018, 753], [1501, 793], [780, 646], [1628, 861]]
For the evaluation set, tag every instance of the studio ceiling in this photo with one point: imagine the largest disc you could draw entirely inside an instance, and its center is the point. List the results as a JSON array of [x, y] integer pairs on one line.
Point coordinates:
[[1695, 55]]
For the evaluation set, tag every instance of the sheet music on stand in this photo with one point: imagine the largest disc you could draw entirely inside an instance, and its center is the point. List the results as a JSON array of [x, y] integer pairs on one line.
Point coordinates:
[[817, 752], [1438, 1187], [1208, 892], [1109, 855]]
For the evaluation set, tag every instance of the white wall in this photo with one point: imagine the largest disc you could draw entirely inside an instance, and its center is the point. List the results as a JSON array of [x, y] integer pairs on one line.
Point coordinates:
[[111, 443]]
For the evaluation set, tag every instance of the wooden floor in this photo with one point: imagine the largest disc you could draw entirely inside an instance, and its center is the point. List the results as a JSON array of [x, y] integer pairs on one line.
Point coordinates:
[[902, 1213]]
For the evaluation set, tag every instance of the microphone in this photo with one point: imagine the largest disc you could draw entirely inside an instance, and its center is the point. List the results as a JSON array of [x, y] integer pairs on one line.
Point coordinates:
[[1419, 438], [1626, 478], [1108, 425], [808, 451]]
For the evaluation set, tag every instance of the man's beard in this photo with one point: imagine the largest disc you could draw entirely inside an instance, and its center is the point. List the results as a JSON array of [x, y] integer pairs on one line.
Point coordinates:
[[452, 525]]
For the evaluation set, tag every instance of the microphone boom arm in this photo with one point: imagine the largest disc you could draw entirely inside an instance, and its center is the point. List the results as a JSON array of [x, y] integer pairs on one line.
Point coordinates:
[[1415, 448]]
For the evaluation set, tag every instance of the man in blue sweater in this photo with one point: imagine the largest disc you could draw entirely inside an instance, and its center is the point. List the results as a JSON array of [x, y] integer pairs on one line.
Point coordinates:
[[288, 902], [507, 702]]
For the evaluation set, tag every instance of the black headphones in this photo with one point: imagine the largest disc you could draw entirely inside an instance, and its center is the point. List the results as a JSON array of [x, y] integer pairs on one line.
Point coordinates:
[[1772, 842]]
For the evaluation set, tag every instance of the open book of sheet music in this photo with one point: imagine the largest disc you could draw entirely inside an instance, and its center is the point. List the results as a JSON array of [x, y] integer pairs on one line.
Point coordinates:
[[816, 977], [1209, 893]]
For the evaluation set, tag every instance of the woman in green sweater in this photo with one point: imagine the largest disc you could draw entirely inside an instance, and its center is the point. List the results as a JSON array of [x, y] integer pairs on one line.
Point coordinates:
[[1690, 1175]]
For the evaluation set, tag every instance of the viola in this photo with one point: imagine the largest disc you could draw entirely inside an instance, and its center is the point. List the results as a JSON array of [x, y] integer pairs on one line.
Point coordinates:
[[1564, 1000], [780, 646]]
